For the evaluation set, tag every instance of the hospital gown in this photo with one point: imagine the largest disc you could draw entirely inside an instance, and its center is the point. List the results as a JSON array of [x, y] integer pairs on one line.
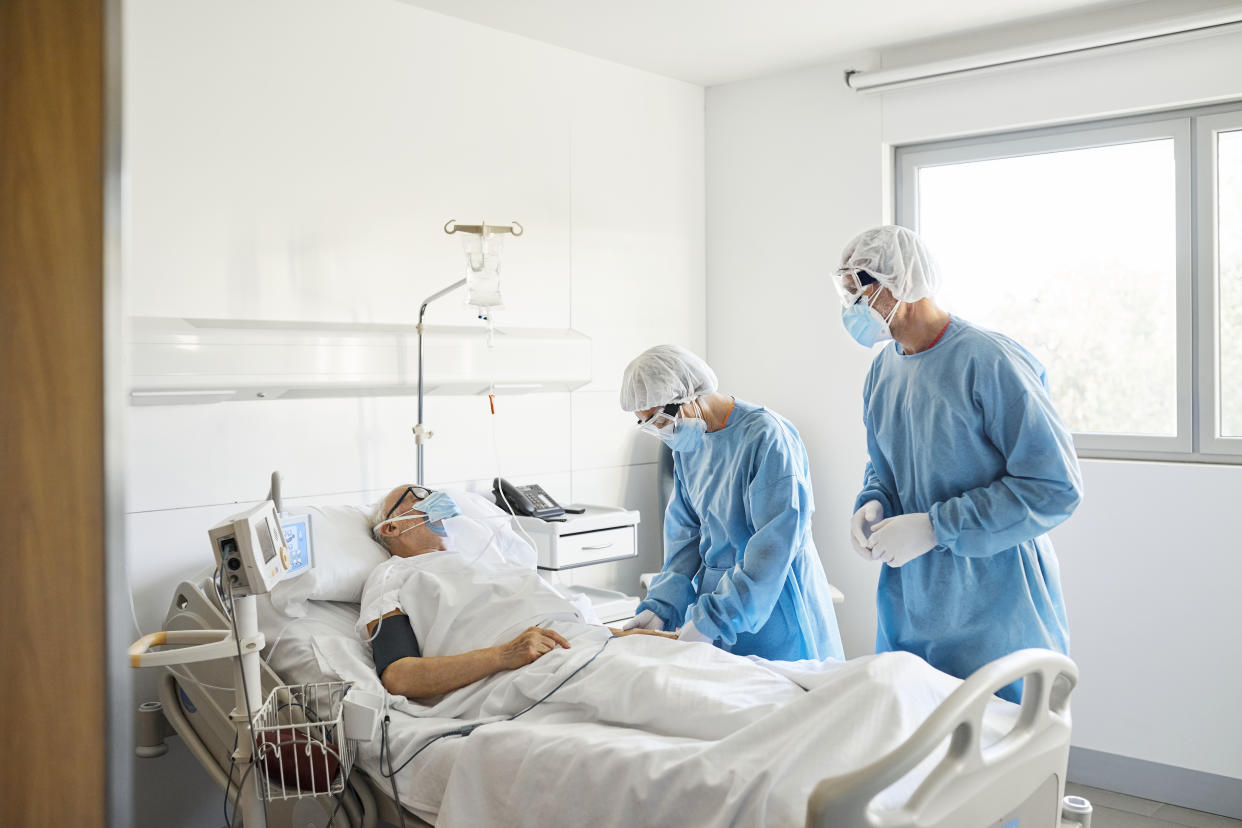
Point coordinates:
[[739, 558], [966, 432]]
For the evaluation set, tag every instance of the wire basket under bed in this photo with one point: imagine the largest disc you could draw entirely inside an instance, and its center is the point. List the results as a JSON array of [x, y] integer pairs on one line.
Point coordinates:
[[300, 747]]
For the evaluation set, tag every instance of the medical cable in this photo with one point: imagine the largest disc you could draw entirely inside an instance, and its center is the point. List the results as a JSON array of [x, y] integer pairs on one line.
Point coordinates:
[[466, 730], [240, 787], [379, 622], [386, 750], [241, 670], [582, 667], [508, 507], [229, 785], [340, 800]]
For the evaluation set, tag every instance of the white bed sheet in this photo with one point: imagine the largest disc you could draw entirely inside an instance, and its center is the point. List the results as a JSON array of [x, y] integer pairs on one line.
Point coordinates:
[[552, 768]]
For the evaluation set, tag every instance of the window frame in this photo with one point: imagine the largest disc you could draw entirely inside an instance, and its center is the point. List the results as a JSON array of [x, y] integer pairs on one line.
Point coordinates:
[[1208, 127], [1193, 134]]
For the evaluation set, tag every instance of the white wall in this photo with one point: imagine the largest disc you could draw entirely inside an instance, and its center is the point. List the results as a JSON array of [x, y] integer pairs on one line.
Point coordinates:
[[297, 160], [797, 165], [788, 176]]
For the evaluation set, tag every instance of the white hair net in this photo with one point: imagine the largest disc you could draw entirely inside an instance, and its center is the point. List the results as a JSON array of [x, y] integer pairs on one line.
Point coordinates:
[[665, 374], [898, 260]]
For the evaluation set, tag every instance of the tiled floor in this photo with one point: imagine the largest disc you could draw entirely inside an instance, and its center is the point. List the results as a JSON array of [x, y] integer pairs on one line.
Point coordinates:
[[1115, 810]]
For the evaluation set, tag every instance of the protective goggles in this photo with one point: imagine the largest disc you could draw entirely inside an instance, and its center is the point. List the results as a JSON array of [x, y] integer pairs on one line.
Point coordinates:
[[850, 282], [661, 423]]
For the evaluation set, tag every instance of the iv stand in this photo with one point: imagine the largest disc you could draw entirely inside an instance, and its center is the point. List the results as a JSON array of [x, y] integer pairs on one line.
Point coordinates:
[[421, 434]]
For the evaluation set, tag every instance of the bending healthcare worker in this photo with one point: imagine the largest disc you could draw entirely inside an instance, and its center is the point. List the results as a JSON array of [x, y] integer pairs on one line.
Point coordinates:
[[740, 566], [969, 466]]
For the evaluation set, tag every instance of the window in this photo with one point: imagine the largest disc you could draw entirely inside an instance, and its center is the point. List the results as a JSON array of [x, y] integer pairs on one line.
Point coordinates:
[[1111, 251], [1225, 202]]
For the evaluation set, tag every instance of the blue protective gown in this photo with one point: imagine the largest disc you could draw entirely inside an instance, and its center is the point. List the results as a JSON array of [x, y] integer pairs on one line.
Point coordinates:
[[739, 560], [966, 432]]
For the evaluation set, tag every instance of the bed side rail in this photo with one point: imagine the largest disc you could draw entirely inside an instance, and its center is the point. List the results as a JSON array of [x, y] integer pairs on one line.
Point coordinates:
[[1008, 771]]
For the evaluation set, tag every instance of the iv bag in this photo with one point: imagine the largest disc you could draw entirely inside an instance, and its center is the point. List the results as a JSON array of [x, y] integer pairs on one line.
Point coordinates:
[[483, 269]]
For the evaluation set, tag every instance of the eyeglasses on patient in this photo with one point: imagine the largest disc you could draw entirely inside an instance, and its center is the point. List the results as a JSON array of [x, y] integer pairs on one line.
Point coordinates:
[[419, 494]]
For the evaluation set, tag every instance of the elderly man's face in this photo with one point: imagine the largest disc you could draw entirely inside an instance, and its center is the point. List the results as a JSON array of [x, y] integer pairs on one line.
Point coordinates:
[[410, 536]]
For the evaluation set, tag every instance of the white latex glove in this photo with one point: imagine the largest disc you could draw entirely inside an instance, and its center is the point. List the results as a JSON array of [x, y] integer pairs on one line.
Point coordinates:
[[645, 620], [863, 524], [901, 539], [689, 632]]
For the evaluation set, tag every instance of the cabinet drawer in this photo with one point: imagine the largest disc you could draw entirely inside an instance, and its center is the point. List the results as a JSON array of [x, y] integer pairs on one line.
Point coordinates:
[[594, 547]]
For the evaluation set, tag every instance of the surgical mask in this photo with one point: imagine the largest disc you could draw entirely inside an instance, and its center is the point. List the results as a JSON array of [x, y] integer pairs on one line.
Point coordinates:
[[431, 510], [866, 324], [688, 435]]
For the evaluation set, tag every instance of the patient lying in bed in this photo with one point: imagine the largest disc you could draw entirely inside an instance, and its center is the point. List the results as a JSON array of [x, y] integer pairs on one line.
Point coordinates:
[[408, 668], [658, 731], [462, 622]]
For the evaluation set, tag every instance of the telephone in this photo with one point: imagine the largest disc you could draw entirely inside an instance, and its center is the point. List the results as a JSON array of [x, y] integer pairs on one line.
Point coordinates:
[[529, 500]]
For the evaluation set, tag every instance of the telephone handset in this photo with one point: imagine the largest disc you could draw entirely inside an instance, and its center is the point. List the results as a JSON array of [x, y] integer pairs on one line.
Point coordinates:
[[529, 500]]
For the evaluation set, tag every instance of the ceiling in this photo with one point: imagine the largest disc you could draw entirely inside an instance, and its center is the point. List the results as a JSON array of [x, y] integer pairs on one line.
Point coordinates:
[[709, 42]]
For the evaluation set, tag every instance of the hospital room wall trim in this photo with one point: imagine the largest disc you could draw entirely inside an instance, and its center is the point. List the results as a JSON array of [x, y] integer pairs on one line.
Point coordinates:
[[1200, 791]]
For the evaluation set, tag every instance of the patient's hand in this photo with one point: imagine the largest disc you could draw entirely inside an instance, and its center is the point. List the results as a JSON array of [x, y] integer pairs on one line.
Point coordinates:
[[639, 631], [530, 645]]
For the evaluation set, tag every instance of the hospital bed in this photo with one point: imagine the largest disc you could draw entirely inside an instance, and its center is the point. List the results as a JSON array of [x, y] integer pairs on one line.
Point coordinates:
[[953, 767]]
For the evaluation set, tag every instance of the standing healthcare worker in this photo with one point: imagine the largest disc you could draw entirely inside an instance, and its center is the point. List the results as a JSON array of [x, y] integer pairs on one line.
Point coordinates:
[[740, 567], [968, 468]]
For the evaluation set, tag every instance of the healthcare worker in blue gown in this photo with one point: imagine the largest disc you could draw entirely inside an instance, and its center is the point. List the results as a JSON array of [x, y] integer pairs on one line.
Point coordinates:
[[969, 466], [740, 567]]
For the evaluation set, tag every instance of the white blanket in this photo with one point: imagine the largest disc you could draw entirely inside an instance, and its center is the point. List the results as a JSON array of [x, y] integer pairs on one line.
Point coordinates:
[[637, 730], [562, 764]]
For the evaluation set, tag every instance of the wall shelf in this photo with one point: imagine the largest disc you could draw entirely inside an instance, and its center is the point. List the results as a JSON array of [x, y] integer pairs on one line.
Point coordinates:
[[186, 361]]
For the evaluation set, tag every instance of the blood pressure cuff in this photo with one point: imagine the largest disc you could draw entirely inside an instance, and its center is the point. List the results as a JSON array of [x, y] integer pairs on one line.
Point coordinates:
[[394, 640]]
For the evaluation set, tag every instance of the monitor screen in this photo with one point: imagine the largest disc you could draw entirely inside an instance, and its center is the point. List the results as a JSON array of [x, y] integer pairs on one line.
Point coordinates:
[[298, 542], [265, 540]]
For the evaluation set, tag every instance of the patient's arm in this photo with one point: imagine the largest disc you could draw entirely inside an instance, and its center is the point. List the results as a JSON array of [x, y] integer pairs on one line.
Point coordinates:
[[638, 631], [421, 677]]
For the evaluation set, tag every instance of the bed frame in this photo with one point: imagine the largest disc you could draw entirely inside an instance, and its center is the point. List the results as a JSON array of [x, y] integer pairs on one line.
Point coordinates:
[[1016, 783]]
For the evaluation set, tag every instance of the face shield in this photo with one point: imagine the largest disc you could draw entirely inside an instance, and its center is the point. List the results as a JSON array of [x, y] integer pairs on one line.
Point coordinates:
[[850, 283], [662, 424], [679, 433]]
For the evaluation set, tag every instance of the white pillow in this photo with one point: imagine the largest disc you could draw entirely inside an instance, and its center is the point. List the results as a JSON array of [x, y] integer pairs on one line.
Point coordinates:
[[343, 555]]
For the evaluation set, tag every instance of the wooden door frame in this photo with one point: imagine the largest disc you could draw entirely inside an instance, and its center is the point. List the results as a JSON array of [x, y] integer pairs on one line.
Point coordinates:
[[67, 757], [119, 622]]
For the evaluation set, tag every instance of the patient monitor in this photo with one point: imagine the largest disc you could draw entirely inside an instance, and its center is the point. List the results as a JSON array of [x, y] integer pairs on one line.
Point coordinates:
[[250, 550]]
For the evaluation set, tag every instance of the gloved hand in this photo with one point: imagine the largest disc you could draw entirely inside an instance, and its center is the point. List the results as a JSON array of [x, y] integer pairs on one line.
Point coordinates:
[[863, 524], [901, 539], [689, 632], [645, 620]]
